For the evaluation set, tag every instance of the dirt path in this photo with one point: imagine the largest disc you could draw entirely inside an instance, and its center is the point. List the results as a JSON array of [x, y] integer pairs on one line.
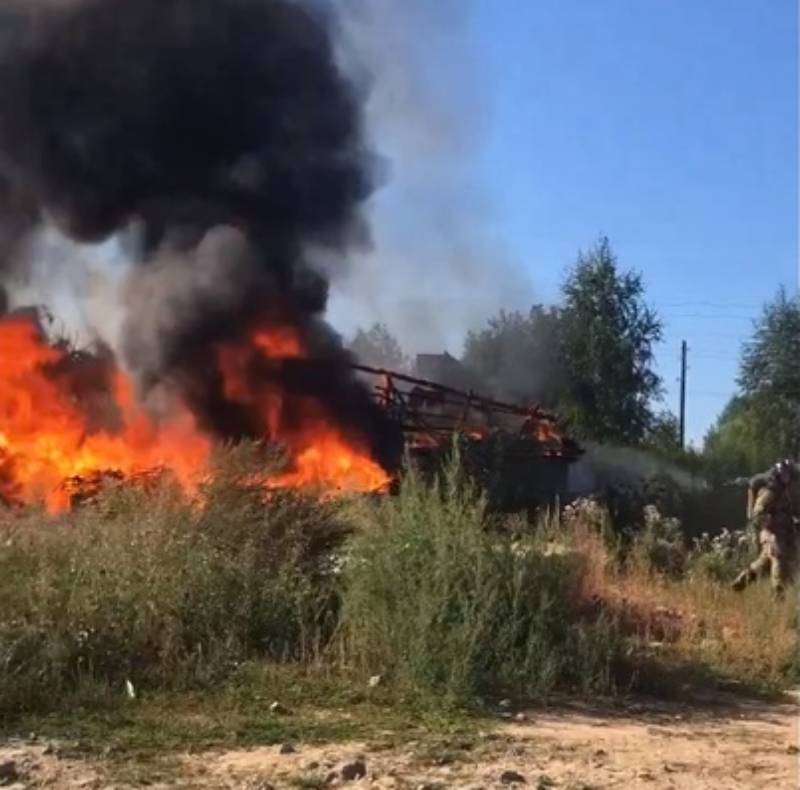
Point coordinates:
[[721, 744]]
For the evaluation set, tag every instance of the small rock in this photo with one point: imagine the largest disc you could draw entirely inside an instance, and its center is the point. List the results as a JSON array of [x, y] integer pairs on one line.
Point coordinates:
[[520, 717], [545, 782], [276, 707], [312, 766], [287, 748], [512, 778], [49, 750], [375, 681], [8, 771], [355, 770], [505, 714], [504, 703], [331, 778], [793, 749], [600, 754]]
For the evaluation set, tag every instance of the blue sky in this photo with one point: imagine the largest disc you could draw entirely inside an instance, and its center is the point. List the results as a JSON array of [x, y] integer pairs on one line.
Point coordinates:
[[668, 125]]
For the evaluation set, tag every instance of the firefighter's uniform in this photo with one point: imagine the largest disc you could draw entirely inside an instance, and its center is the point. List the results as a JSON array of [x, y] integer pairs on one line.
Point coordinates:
[[773, 516]]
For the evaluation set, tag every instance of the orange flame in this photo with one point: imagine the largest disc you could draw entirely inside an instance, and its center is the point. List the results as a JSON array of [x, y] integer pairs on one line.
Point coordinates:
[[44, 437], [321, 456], [47, 437]]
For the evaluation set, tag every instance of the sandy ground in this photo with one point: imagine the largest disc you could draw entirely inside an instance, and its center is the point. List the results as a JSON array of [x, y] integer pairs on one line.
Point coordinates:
[[720, 744]]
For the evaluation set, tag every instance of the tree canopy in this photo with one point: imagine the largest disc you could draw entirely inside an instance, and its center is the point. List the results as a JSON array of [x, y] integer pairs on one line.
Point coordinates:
[[516, 356], [761, 423], [608, 336], [378, 347], [591, 357]]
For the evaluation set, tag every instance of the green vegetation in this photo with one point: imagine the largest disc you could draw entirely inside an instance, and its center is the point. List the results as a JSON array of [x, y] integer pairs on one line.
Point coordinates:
[[517, 356], [248, 597], [762, 421], [439, 601], [607, 341], [147, 587], [590, 358]]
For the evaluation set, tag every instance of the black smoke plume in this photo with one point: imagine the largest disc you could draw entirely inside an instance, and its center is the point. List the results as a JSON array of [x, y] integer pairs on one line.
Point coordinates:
[[222, 141]]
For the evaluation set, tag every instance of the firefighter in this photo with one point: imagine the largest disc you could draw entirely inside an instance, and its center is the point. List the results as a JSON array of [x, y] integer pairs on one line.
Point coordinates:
[[757, 482], [773, 509]]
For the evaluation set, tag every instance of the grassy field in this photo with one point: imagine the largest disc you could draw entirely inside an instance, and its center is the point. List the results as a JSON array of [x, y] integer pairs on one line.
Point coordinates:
[[146, 620]]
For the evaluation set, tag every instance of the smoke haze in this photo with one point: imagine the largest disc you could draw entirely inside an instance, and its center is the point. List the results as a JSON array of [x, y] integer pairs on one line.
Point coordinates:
[[437, 267]]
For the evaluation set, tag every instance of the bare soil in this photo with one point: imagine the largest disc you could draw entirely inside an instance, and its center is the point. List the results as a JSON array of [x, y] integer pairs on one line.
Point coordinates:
[[718, 743]]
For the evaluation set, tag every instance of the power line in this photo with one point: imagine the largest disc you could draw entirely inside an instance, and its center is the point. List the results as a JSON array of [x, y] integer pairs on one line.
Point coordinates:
[[715, 305], [715, 394], [709, 317], [726, 335]]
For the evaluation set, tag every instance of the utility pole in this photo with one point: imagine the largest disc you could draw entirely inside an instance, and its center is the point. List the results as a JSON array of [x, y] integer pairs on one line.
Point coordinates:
[[683, 394]]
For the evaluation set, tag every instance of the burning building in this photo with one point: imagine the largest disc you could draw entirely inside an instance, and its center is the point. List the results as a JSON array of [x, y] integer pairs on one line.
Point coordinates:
[[517, 453], [219, 144]]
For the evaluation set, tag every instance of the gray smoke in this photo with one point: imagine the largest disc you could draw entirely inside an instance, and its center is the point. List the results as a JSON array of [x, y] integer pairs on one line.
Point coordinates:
[[437, 267], [606, 465]]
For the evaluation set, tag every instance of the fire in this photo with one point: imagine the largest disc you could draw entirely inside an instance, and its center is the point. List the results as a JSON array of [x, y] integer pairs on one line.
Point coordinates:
[[52, 431], [329, 461], [321, 456], [545, 432], [279, 343], [45, 437]]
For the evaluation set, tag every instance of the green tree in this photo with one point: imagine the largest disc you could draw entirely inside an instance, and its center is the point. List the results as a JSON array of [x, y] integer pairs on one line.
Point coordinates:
[[664, 434], [608, 335], [735, 445], [762, 422], [379, 348], [770, 373], [517, 357]]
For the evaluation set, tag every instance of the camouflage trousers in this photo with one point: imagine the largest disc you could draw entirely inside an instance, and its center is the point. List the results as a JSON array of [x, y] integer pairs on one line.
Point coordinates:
[[777, 557]]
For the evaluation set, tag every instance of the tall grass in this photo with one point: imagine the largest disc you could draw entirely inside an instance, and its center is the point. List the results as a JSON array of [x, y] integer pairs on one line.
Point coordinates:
[[439, 600], [428, 589], [149, 587], [677, 610]]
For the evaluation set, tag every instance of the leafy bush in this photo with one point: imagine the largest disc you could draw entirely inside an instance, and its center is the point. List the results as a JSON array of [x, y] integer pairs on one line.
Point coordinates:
[[442, 603]]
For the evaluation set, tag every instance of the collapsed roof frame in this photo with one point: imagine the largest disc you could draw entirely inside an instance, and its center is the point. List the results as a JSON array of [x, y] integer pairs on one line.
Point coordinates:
[[425, 428]]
